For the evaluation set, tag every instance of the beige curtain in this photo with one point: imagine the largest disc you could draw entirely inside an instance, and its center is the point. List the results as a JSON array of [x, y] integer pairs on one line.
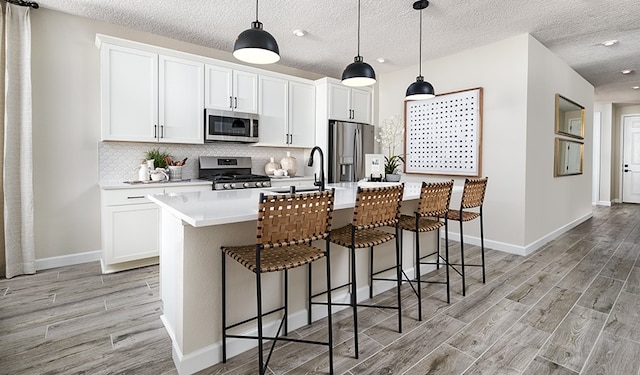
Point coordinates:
[[17, 162]]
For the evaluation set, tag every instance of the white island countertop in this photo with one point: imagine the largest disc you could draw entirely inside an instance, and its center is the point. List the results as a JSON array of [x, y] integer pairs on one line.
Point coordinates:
[[215, 207]]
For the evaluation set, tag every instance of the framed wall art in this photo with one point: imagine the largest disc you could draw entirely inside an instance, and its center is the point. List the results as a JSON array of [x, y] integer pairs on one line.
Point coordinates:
[[443, 135]]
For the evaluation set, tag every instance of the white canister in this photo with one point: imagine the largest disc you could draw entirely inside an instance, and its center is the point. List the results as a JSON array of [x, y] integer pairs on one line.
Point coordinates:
[[143, 172]]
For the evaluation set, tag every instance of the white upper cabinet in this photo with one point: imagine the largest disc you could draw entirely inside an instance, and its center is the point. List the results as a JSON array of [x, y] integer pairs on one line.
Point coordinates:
[[231, 89], [287, 112], [302, 114], [129, 94], [273, 125], [349, 104], [181, 101], [147, 97]]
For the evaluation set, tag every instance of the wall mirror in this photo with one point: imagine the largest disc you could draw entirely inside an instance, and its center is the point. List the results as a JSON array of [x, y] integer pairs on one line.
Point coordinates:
[[569, 117], [568, 157]]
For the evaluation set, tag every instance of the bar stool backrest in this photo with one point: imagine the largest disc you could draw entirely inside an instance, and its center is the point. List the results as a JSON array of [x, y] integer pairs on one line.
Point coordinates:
[[435, 198], [292, 219], [378, 206], [473, 192]]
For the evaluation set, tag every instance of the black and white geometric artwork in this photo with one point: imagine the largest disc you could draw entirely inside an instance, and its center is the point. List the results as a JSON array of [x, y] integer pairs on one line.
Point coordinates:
[[444, 134]]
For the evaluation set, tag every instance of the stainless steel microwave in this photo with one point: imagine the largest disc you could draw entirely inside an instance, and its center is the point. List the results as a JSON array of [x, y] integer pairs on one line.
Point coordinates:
[[230, 126]]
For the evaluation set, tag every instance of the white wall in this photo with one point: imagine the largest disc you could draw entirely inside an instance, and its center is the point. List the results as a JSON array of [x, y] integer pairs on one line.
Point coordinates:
[[606, 150], [66, 123], [553, 202], [518, 123]]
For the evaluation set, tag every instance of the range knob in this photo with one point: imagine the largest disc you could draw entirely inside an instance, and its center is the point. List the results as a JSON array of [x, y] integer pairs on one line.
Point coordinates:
[[233, 186], [246, 184], [226, 186], [258, 184]]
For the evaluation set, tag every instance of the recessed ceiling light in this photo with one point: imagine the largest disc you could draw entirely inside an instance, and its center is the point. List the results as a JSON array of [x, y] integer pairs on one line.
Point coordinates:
[[298, 32], [636, 87], [609, 43], [380, 60], [626, 71]]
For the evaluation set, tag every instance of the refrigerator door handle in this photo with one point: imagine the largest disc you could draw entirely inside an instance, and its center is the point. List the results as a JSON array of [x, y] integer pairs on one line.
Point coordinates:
[[357, 147]]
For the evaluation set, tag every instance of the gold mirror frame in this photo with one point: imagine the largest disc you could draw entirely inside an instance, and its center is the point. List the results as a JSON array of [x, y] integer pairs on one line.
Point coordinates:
[[569, 117], [568, 157]]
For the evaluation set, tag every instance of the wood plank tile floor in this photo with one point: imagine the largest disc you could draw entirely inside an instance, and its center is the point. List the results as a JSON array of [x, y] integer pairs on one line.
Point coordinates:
[[572, 307]]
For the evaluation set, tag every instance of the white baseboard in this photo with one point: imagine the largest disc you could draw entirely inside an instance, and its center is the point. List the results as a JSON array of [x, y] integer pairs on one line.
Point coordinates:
[[603, 203], [212, 354], [68, 260], [521, 250]]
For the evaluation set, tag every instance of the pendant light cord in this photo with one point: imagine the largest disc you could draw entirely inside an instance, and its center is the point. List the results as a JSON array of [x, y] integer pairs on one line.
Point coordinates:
[[257, 11], [358, 27], [420, 49]]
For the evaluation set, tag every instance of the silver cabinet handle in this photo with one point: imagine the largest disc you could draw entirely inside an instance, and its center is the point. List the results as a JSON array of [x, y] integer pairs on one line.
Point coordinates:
[[155, 131], [236, 102], [136, 197], [231, 102], [161, 131]]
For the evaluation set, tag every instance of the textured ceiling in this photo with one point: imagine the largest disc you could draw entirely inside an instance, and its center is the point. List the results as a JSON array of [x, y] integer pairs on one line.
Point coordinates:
[[572, 29]]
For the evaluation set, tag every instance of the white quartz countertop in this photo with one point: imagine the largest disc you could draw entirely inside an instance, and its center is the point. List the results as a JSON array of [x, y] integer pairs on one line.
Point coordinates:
[[216, 207], [141, 185]]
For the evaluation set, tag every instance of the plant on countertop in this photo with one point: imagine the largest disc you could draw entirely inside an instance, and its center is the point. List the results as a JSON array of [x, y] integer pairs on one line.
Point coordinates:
[[158, 157], [389, 137]]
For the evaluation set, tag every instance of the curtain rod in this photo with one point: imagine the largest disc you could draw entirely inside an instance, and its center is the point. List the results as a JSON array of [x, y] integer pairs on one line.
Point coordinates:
[[24, 3]]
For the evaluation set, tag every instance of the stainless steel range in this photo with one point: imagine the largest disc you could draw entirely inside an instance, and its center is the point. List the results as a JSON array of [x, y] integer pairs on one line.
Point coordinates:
[[231, 173]]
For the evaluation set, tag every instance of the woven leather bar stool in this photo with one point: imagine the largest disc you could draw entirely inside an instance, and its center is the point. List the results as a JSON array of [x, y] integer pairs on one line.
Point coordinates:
[[434, 202], [374, 208], [472, 197], [287, 224]]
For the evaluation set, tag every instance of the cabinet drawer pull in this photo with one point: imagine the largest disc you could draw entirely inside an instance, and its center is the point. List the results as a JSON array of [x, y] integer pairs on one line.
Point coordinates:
[[136, 197]]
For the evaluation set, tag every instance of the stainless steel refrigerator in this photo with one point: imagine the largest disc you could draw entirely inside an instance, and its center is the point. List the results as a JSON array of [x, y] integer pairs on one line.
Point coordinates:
[[348, 143]]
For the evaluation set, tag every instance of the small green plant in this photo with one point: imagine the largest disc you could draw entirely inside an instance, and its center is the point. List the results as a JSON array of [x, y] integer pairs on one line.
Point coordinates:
[[158, 157], [392, 163]]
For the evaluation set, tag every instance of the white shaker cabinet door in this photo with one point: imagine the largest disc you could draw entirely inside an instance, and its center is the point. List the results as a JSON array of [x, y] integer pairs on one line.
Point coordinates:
[[273, 125], [230, 90], [361, 106], [129, 101], [181, 97], [131, 232], [302, 114], [245, 87], [339, 102]]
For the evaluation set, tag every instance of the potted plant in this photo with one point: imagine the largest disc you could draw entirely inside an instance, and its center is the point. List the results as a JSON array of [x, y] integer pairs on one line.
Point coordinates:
[[389, 137], [158, 157]]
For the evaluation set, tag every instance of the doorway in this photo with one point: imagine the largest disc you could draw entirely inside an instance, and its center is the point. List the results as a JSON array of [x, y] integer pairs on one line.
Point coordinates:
[[631, 159]]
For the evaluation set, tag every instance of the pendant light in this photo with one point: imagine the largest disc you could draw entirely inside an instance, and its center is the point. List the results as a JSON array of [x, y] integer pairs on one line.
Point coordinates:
[[358, 73], [420, 89], [256, 46]]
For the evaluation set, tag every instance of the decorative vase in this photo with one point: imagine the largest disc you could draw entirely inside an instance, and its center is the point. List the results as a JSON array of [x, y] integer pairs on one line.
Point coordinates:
[[290, 164], [271, 166], [392, 177]]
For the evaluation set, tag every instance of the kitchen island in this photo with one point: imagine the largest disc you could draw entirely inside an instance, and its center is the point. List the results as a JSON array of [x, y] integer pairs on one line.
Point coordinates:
[[195, 225]]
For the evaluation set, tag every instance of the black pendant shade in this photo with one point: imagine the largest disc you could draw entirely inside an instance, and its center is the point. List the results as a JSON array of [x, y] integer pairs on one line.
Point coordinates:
[[358, 73], [420, 89], [256, 46]]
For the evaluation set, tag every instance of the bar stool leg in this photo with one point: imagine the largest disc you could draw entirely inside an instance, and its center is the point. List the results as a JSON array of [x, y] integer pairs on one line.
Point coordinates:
[[484, 278], [224, 309], [446, 253], [462, 259], [418, 273], [399, 277], [286, 302], [309, 294], [354, 300], [329, 319], [371, 272], [260, 346]]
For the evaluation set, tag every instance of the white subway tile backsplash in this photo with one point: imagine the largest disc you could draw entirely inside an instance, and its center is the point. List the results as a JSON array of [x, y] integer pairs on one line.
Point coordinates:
[[119, 161]]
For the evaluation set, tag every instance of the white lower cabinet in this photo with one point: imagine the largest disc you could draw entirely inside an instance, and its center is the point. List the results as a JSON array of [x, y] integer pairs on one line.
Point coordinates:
[[131, 226]]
